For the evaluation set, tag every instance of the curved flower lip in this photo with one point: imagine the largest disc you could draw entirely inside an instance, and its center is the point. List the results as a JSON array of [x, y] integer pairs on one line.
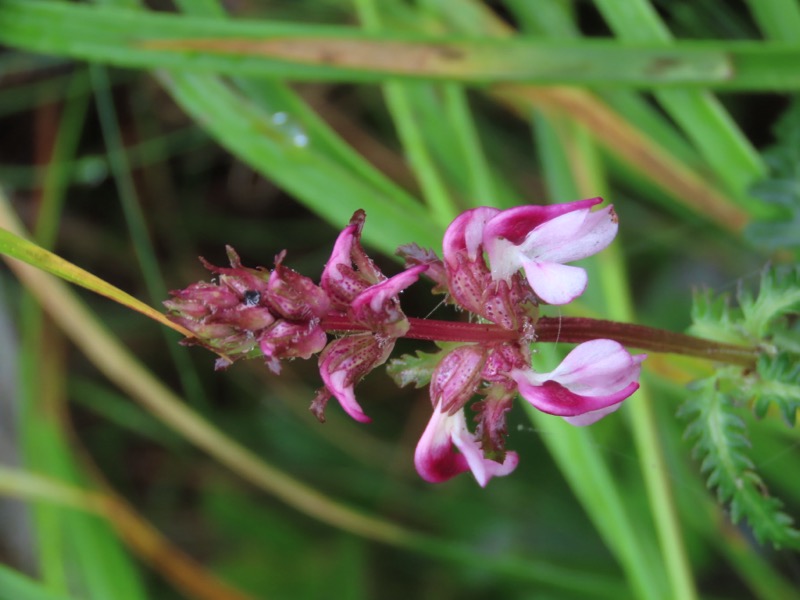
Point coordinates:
[[338, 386], [466, 233], [595, 376], [345, 361], [555, 399], [437, 460]]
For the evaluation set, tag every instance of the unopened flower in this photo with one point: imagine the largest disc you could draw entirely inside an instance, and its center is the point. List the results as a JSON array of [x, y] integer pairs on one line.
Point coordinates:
[[294, 296], [291, 339], [359, 291], [540, 239], [447, 448], [589, 383], [349, 271], [456, 378]]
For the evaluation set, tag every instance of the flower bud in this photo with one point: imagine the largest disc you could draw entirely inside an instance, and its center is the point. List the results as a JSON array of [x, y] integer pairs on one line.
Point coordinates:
[[455, 379], [294, 296]]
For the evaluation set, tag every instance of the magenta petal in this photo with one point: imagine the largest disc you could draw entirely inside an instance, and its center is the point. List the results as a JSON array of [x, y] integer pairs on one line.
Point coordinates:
[[345, 361], [375, 297], [516, 223], [555, 283], [338, 385], [594, 376], [436, 459], [553, 398]]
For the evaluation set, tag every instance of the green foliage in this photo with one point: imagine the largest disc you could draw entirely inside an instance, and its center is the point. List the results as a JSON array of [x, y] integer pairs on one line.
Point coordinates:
[[416, 369], [722, 447], [767, 320], [781, 187]]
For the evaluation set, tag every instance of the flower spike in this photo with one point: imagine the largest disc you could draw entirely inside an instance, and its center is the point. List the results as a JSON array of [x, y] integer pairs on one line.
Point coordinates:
[[497, 265]]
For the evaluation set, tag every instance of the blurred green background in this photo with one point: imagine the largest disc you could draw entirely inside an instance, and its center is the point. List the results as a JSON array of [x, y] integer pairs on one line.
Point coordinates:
[[130, 469]]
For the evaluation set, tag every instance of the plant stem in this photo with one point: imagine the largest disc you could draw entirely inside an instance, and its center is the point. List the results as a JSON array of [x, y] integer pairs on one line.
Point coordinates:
[[567, 330]]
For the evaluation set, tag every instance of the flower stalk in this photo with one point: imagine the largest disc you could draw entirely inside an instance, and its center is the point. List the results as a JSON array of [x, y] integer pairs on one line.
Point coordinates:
[[569, 330]]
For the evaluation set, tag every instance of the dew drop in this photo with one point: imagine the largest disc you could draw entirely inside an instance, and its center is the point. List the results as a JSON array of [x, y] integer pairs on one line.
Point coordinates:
[[293, 131]]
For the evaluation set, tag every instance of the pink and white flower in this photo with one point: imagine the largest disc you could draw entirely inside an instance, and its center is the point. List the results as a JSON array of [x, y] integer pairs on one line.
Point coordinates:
[[447, 448], [540, 239], [590, 382]]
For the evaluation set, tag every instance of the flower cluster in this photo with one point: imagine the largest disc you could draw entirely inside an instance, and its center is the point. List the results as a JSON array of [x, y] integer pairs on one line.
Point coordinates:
[[592, 380], [499, 266]]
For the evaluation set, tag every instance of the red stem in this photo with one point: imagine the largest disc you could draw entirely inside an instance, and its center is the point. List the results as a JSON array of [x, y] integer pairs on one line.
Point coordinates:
[[568, 330]]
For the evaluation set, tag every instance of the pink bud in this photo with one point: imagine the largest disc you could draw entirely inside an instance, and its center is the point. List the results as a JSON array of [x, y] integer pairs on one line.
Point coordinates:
[[349, 270], [294, 296], [288, 339], [456, 378], [378, 306]]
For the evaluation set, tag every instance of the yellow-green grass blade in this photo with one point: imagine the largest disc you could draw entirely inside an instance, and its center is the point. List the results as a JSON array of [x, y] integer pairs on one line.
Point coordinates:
[[16, 247]]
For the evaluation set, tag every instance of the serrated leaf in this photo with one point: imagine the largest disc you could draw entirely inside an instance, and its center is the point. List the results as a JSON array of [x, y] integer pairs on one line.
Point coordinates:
[[714, 318], [779, 385], [778, 295], [416, 369], [721, 445]]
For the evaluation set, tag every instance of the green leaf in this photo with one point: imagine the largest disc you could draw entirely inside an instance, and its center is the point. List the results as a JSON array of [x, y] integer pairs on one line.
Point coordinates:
[[16, 586], [721, 446], [778, 296], [314, 52], [781, 187], [416, 369], [779, 385]]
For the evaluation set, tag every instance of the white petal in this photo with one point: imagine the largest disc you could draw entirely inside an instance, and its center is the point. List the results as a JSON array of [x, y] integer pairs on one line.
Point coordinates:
[[555, 283], [572, 236], [591, 417]]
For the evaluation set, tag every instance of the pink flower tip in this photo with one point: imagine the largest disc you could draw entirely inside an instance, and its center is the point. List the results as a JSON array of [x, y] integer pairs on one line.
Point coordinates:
[[447, 448]]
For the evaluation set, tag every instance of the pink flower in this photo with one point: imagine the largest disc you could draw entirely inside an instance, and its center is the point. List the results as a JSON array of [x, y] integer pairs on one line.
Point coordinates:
[[509, 303], [349, 271], [437, 460], [294, 296], [540, 239], [590, 382], [342, 364]]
